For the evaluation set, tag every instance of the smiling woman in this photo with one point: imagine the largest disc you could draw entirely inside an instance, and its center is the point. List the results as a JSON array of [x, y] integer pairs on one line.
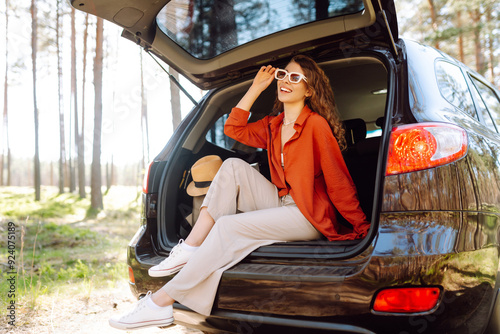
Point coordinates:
[[244, 211]]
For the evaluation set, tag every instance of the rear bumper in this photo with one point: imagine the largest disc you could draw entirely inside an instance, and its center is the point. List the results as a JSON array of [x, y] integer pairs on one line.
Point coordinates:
[[234, 322], [336, 298]]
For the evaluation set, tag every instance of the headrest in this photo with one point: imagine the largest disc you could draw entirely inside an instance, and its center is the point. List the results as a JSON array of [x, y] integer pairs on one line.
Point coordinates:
[[380, 122], [355, 130]]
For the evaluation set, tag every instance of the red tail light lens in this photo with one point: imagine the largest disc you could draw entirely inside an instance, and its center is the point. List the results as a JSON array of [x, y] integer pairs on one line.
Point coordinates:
[[145, 182], [406, 300], [421, 146], [131, 277]]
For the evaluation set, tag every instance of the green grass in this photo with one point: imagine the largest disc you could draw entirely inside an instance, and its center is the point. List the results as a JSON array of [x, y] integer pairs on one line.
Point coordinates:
[[19, 203], [59, 249]]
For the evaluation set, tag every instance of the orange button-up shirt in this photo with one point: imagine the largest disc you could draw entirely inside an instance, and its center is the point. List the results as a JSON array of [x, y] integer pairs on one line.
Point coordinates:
[[314, 172]]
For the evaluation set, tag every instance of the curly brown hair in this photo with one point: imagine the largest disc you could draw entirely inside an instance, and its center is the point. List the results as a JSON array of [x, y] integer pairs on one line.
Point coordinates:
[[321, 100]]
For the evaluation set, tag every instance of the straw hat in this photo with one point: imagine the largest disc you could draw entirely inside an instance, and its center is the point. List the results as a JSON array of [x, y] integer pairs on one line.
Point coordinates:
[[203, 172]]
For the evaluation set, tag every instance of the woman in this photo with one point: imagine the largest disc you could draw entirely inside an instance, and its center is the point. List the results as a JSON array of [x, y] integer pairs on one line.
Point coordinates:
[[309, 182]]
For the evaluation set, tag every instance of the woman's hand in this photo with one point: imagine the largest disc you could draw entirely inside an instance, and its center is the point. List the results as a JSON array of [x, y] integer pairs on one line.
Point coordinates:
[[264, 78], [261, 81]]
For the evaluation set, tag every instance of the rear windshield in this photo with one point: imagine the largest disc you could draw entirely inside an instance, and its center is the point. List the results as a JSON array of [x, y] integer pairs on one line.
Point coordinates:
[[207, 28]]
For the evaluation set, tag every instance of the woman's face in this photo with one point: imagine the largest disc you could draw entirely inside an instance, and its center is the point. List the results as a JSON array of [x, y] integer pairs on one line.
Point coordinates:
[[293, 92]]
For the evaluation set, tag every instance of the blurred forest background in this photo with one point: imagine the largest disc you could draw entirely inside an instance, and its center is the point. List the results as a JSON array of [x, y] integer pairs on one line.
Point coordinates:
[[84, 109]]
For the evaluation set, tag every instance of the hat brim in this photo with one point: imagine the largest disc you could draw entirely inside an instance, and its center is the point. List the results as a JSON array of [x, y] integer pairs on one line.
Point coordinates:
[[192, 190]]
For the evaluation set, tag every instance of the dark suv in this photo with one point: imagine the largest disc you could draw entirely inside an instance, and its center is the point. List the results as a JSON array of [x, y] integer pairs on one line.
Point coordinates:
[[423, 151]]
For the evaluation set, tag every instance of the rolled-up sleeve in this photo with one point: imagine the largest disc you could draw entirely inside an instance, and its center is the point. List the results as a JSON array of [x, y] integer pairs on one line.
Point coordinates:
[[252, 134]]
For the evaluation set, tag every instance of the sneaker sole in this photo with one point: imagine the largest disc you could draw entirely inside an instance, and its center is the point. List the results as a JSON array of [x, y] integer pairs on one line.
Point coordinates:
[[142, 324], [165, 272]]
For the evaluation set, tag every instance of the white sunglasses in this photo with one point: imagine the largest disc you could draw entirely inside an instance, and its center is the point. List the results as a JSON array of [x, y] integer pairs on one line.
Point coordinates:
[[294, 77]]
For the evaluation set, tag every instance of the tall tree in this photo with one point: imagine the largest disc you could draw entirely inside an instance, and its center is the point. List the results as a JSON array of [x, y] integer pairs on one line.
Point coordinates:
[[34, 36], [432, 9], [465, 29], [5, 153], [110, 174], [62, 133], [475, 15], [491, 27], [175, 100], [95, 177], [81, 136], [144, 118], [461, 54], [74, 102], [212, 27]]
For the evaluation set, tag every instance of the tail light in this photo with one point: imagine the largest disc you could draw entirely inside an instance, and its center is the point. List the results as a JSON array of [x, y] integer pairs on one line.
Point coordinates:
[[145, 182], [407, 300], [131, 277], [425, 145]]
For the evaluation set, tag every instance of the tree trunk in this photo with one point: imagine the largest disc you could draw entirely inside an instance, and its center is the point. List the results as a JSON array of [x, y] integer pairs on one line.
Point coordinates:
[[491, 49], [81, 137], [95, 178], [5, 153], [432, 9], [476, 19], [321, 7], [62, 141], [144, 120], [34, 28], [175, 100], [461, 54], [51, 173], [74, 108], [110, 174]]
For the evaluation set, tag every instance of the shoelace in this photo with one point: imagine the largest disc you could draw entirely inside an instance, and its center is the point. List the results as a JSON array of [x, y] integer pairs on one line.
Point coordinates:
[[172, 254], [140, 305]]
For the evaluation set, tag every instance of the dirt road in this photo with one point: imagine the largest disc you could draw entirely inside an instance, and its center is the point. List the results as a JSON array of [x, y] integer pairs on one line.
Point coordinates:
[[83, 314]]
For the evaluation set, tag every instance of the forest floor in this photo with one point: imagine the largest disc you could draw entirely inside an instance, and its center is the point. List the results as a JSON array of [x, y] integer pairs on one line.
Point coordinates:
[[71, 274]]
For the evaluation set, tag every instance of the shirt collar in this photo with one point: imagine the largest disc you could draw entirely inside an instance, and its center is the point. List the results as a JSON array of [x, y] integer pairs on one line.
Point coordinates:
[[299, 122]]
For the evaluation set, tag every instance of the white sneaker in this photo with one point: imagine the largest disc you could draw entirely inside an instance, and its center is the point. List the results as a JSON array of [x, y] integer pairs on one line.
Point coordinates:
[[143, 316], [175, 261]]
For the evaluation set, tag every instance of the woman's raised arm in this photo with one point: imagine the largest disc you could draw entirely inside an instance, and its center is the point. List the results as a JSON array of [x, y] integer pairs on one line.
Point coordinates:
[[261, 81]]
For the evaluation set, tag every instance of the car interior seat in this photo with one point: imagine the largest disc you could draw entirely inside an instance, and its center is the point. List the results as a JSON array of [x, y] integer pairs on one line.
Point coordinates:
[[361, 158]]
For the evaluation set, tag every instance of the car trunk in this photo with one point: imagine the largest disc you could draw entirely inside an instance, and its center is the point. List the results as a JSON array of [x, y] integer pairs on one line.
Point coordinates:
[[360, 87], [219, 46], [296, 269]]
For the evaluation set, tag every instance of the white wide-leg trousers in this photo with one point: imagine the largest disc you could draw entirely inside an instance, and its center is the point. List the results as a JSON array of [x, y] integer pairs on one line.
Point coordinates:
[[264, 219]]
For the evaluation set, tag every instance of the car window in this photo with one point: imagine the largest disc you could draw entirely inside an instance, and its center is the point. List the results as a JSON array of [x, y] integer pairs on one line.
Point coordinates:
[[453, 87], [482, 109], [208, 28], [216, 134], [491, 100]]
